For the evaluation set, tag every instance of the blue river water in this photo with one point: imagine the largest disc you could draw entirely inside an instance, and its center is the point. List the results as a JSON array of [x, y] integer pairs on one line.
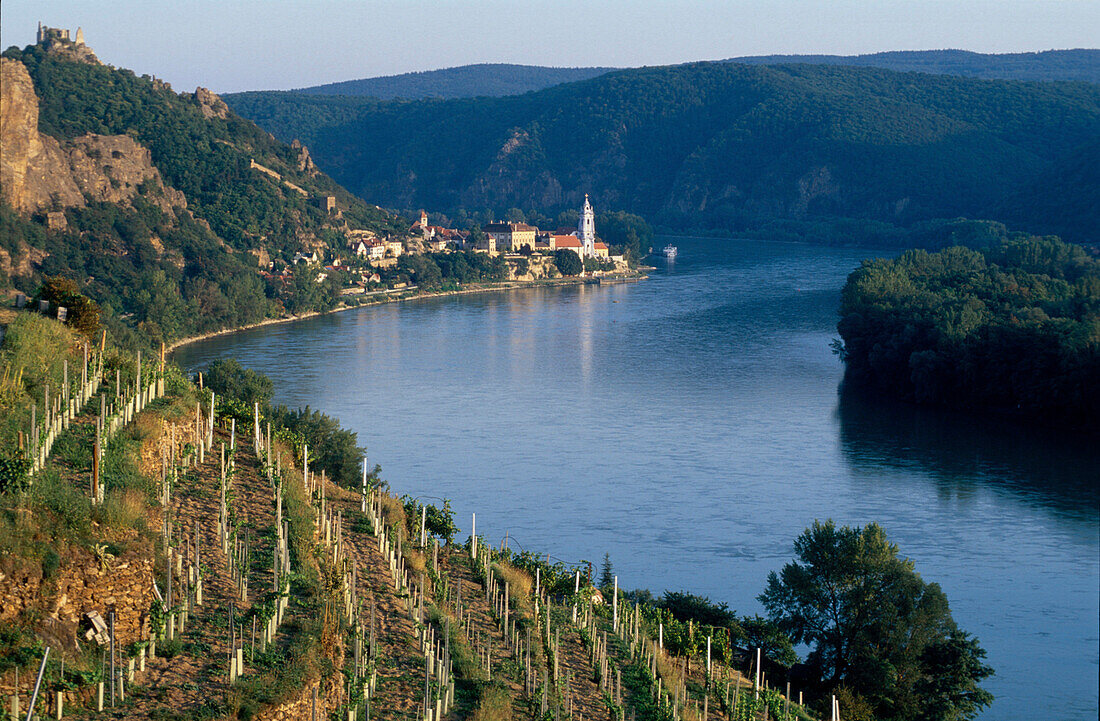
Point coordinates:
[[691, 426]]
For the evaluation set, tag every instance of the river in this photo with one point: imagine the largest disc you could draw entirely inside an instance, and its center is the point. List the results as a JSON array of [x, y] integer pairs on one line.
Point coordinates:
[[691, 427]]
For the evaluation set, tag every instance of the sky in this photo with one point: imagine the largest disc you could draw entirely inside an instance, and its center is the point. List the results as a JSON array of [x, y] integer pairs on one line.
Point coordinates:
[[234, 45]]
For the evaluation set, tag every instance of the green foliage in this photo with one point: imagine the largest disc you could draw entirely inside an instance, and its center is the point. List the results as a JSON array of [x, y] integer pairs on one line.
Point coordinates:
[[875, 626], [83, 313], [303, 293], [757, 632], [947, 690], [701, 610], [438, 521], [226, 377], [31, 358], [625, 233], [332, 449], [568, 262], [557, 578], [431, 271], [14, 466], [607, 573], [17, 647], [1014, 326], [1047, 65], [466, 81], [731, 148]]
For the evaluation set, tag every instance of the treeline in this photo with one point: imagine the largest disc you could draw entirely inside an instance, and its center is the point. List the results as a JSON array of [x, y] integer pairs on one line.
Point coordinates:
[[332, 448], [723, 147], [1010, 327], [1078, 64], [464, 81]]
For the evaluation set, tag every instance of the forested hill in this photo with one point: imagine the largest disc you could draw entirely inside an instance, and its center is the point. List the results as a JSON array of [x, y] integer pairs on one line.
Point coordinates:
[[1079, 64], [1013, 326], [835, 154], [163, 206], [466, 81], [499, 79]]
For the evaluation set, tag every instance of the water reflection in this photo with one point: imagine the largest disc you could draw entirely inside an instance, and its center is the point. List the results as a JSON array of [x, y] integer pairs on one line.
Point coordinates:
[[1053, 467]]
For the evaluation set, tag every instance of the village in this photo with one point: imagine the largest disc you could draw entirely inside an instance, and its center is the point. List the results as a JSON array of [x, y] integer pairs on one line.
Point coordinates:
[[515, 251]]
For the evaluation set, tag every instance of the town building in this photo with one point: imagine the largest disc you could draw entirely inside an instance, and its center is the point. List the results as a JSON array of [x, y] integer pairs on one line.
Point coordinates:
[[421, 228], [394, 247], [511, 236], [586, 230]]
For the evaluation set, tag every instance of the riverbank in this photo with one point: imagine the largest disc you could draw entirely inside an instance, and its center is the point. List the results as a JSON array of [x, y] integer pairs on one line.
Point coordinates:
[[638, 275]]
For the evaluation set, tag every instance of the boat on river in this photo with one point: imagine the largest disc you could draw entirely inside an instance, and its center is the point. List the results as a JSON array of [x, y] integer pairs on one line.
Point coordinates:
[[670, 251]]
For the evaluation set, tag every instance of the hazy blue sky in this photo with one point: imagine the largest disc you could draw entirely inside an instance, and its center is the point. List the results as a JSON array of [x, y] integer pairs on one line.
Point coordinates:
[[230, 45]]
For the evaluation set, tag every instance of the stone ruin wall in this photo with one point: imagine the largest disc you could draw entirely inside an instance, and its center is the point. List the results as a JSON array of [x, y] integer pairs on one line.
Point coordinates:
[[82, 584]]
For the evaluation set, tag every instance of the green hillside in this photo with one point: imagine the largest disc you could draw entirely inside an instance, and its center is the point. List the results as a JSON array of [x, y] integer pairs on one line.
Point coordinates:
[[785, 150], [465, 81], [173, 274], [499, 79], [1078, 64]]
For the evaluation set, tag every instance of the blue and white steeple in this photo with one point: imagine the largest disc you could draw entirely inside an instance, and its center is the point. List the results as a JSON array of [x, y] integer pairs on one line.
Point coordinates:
[[586, 230]]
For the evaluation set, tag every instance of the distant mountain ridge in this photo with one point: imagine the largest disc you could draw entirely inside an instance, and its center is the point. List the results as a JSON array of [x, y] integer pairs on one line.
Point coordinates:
[[842, 154], [485, 79], [500, 79], [1078, 64]]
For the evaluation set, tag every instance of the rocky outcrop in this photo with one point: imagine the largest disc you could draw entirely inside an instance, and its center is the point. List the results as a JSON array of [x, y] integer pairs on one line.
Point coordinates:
[[34, 171], [305, 162], [115, 168], [75, 51], [518, 175], [816, 185], [210, 105], [83, 583], [39, 175]]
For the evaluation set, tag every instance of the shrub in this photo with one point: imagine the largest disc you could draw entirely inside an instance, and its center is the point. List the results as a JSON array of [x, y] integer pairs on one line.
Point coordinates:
[[568, 262], [14, 466]]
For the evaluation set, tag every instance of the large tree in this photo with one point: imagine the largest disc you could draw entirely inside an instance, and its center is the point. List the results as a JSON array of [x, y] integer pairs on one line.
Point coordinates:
[[568, 262], [875, 627]]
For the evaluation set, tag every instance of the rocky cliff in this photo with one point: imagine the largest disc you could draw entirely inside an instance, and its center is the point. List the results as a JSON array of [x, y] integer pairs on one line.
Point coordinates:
[[34, 171], [38, 174]]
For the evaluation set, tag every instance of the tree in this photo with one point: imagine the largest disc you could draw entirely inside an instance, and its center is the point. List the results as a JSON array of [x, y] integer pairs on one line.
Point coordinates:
[[875, 626], [226, 377], [689, 607], [476, 238], [83, 311], [607, 573], [568, 262], [759, 632], [947, 689]]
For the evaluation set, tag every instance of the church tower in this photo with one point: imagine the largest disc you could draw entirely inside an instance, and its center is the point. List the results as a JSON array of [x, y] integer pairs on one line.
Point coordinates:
[[586, 229]]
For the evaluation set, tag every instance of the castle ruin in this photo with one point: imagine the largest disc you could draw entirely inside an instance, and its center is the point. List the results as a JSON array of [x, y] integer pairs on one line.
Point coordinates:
[[47, 33]]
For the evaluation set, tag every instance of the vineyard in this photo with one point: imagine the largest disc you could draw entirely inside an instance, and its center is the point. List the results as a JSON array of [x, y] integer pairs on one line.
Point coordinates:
[[176, 555]]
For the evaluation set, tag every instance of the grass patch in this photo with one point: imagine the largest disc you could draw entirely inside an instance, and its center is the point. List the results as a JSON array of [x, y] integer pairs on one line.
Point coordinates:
[[33, 354], [494, 704], [519, 582]]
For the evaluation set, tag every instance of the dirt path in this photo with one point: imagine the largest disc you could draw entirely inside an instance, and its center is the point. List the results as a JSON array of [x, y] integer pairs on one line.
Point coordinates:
[[194, 680]]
